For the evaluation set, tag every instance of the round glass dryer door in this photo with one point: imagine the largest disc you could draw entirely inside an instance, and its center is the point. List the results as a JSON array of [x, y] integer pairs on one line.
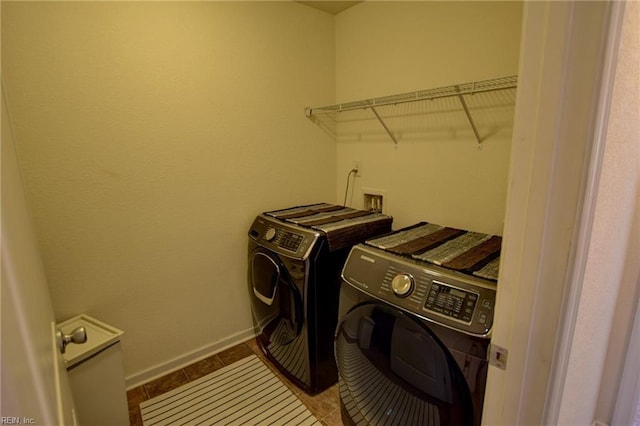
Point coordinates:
[[394, 370]]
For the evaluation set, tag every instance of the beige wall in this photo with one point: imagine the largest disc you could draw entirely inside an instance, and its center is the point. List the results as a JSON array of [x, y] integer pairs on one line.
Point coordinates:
[[436, 173], [150, 134]]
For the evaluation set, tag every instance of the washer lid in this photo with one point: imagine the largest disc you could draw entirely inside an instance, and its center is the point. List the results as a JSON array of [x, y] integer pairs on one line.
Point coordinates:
[[99, 337], [342, 226], [469, 252]]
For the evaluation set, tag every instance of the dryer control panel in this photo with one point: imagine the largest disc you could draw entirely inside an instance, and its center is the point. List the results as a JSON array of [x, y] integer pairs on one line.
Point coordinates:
[[449, 298], [287, 240]]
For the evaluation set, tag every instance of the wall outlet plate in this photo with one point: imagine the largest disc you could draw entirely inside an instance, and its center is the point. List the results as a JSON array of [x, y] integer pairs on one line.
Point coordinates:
[[357, 164], [498, 356]]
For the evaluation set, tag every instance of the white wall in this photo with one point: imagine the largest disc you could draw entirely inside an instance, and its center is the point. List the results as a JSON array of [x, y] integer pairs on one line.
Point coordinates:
[[610, 286], [436, 173], [150, 135]]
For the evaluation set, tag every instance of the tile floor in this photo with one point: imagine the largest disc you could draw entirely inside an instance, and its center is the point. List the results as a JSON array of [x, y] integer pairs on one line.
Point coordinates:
[[325, 406]]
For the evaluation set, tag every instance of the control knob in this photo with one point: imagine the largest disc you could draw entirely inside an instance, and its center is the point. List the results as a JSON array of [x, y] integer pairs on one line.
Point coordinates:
[[402, 285], [270, 234]]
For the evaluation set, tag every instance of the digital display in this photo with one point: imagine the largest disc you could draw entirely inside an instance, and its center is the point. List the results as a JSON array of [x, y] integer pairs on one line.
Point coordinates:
[[457, 293], [452, 302], [290, 241]]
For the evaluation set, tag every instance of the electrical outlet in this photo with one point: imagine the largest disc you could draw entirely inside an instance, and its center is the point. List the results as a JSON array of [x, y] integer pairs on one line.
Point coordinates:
[[358, 166], [498, 356]]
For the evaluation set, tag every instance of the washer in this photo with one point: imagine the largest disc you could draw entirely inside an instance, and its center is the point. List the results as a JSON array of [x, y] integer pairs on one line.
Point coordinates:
[[295, 259], [412, 340]]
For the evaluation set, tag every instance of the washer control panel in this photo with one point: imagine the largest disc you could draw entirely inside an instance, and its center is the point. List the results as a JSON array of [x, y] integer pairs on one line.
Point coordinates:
[[285, 239], [451, 301], [449, 298]]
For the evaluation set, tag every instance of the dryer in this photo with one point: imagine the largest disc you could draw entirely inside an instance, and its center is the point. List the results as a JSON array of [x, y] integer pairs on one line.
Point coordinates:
[[416, 311], [295, 260]]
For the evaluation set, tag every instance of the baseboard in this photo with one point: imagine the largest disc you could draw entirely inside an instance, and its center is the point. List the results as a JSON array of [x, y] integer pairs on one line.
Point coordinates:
[[159, 370]]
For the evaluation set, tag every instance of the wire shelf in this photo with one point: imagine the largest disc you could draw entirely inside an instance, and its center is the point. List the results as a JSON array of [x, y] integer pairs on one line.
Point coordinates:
[[459, 90]]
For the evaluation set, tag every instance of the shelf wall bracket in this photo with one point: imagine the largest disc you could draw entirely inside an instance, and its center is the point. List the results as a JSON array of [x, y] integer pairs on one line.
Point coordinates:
[[395, 141], [468, 114]]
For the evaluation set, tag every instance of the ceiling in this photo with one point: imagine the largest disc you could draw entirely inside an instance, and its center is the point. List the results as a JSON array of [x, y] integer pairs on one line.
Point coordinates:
[[330, 6]]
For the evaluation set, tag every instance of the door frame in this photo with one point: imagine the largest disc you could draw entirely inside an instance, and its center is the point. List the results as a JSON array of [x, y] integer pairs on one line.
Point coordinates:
[[35, 386], [561, 111]]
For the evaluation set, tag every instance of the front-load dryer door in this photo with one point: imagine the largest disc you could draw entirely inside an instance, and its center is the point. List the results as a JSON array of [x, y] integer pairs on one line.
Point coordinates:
[[277, 307], [277, 302], [266, 273], [394, 370]]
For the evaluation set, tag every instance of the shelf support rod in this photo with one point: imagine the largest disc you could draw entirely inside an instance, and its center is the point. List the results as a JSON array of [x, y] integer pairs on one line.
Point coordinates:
[[473, 125], [384, 125]]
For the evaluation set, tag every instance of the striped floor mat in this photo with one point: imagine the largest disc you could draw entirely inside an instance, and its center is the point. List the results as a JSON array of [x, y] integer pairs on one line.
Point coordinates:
[[243, 393]]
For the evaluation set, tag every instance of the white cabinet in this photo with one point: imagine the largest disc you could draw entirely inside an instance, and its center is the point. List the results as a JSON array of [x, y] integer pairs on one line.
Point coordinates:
[[96, 373]]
